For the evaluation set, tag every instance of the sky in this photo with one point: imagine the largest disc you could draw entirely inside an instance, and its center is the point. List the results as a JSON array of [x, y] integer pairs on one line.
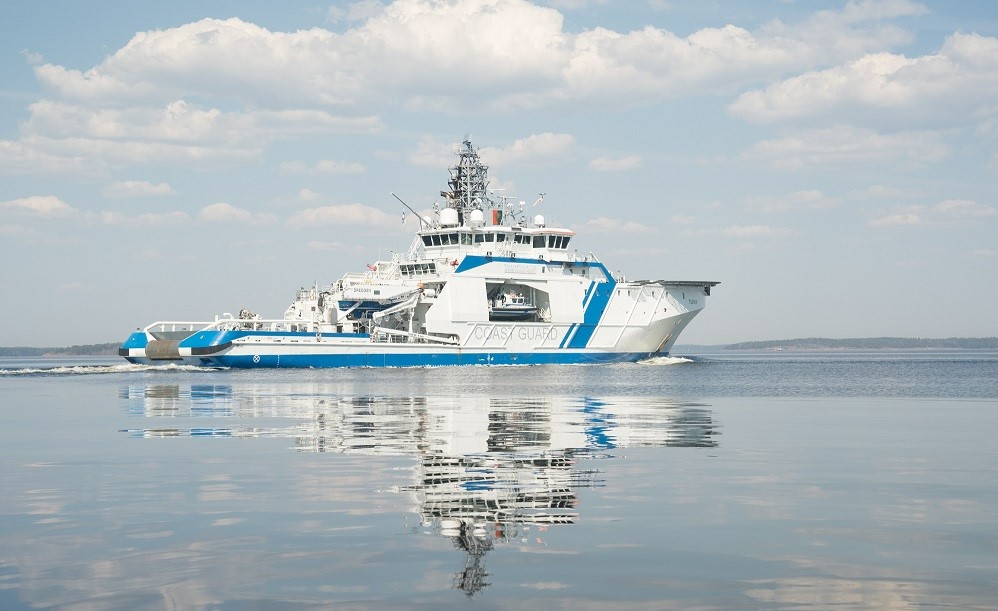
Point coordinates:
[[832, 164]]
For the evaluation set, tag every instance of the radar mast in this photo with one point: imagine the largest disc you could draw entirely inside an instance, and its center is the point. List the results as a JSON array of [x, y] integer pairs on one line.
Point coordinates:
[[468, 183]]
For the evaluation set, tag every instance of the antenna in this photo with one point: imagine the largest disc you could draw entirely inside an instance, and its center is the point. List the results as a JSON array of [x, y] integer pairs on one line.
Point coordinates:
[[418, 215]]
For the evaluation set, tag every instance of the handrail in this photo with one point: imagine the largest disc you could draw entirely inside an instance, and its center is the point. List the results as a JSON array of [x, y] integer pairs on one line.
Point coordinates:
[[174, 323], [429, 338]]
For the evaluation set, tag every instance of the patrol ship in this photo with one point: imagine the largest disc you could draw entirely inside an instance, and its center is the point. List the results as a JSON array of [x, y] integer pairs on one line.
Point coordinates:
[[483, 283]]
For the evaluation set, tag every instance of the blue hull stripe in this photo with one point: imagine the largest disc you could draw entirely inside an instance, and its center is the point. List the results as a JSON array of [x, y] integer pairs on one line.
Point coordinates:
[[568, 335], [598, 296]]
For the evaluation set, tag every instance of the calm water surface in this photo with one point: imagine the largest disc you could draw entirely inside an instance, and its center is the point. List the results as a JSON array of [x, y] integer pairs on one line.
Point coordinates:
[[722, 481]]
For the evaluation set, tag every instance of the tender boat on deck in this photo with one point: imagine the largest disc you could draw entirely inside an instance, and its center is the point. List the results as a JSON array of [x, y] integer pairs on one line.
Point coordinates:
[[482, 284]]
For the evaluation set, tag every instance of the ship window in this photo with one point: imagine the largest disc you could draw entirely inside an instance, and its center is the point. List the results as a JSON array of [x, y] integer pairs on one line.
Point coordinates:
[[453, 238], [552, 241], [500, 237], [565, 245], [427, 240], [479, 238], [436, 239], [490, 237], [538, 241], [466, 238]]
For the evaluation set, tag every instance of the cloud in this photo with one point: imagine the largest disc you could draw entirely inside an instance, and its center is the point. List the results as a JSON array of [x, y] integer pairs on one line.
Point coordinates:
[[16, 231], [136, 188], [959, 83], [884, 192], [307, 195], [325, 246], [343, 214], [150, 219], [177, 131], [742, 231], [509, 53], [323, 166], [962, 208], [606, 164], [683, 219], [604, 224], [844, 145], [799, 200], [986, 252], [227, 213], [945, 212], [537, 147], [25, 157], [44, 206]]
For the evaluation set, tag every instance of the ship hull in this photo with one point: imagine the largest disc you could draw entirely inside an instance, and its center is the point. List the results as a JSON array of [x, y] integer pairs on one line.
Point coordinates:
[[492, 344]]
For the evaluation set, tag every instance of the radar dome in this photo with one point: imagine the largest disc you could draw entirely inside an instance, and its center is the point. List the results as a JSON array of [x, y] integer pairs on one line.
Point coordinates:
[[539, 220], [448, 217], [477, 218]]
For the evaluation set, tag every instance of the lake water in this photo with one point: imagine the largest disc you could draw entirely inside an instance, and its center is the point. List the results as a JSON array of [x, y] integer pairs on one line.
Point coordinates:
[[720, 481]]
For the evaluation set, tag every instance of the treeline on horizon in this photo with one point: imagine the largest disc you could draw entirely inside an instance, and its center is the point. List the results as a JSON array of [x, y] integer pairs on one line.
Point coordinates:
[[871, 343], [75, 350]]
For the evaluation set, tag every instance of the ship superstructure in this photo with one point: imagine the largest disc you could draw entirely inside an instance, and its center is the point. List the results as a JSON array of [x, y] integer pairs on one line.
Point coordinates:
[[483, 282]]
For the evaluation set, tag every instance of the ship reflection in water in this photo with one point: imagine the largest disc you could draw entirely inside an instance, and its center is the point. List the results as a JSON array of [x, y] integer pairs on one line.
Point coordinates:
[[488, 470]]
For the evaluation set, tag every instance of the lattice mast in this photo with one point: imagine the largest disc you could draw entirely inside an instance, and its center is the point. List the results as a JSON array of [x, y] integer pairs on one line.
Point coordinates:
[[469, 183]]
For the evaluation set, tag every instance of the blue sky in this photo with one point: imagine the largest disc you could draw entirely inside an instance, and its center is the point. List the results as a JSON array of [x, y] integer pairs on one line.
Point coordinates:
[[832, 164]]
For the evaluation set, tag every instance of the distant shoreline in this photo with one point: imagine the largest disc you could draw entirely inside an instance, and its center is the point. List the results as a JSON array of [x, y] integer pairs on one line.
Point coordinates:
[[870, 343], [777, 345], [108, 349]]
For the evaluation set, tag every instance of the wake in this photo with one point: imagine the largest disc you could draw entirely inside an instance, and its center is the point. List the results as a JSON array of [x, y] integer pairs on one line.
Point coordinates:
[[666, 360], [74, 370]]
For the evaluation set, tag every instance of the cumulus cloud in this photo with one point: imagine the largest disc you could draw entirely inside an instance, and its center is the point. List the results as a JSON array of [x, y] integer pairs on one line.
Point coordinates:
[[176, 131], [19, 231], [884, 192], [136, 188], [945, 212], [604, 224], [223, 212], [44, 206], [846, 145], [742, 231], [960, 82], [537, 147], [138, 104], [323, 166], [608, 164], [26, 157], [413, 48], [342, 214], [150, 219], [799, 200]]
